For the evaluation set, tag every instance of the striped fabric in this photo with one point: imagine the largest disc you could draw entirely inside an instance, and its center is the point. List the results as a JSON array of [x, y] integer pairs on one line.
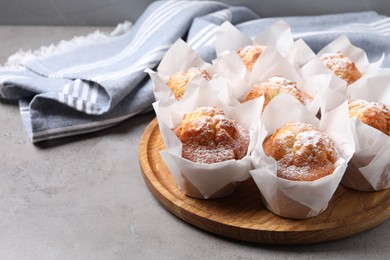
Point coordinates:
[[99, 84]]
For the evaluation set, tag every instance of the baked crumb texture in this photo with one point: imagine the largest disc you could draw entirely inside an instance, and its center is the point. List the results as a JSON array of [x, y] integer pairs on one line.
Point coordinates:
[[373, 114], [179, 81], [208, 136], [302, 152], [273, 87], [249, 54], [342, 66]]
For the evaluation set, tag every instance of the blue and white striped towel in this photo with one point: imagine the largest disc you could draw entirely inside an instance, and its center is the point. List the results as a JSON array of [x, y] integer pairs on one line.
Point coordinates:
[[99, 84]]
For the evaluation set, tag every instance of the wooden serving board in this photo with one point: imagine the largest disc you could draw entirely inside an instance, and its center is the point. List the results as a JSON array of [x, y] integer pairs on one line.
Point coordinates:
[[242, 214]]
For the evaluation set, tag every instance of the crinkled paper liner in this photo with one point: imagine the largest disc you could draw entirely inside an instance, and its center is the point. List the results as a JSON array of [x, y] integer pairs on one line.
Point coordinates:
[[271, 64], [369, 168], [357, 55], [278, 36], [300, 199], [201, 180], [229, 38], [179, 57]]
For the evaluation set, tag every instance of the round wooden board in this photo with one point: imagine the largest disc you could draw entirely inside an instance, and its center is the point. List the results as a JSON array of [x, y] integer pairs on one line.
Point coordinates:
[[242, 214]]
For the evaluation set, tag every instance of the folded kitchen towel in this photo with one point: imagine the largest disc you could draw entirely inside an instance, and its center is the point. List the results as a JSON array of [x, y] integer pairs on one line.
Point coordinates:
[[95, 82]]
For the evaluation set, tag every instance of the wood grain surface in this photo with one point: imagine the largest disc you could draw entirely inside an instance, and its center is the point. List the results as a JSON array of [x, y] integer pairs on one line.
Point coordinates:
[[242, 214]]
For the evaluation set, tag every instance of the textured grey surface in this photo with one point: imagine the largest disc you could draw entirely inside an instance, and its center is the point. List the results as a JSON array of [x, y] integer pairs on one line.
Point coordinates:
[[111, 12], [84, 197]]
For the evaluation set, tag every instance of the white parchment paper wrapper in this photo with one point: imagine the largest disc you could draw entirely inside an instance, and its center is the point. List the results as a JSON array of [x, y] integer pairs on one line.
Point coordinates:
[[299, 199], [374, 89], [316, 67], [179, 57], [369, 168], [230, 39], [206, 180], [357, 55], [273, 64], [299, 54]]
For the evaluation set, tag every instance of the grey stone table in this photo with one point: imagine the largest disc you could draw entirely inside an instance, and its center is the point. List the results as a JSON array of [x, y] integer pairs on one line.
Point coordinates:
[[84, 197]]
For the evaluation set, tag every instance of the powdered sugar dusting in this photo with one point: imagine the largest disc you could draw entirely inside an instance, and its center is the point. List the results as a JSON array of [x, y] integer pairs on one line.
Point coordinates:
[[208, 136], [302, 152], [273, 87], [341, 65], [374, 114], [363, 104]]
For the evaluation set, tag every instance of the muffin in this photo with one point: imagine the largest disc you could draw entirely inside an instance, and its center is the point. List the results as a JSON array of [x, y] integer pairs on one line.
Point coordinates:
[[249, 54], [374, 114], [302, 152], [274, 86], [342, 66], [208, 136], [179, 81]]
